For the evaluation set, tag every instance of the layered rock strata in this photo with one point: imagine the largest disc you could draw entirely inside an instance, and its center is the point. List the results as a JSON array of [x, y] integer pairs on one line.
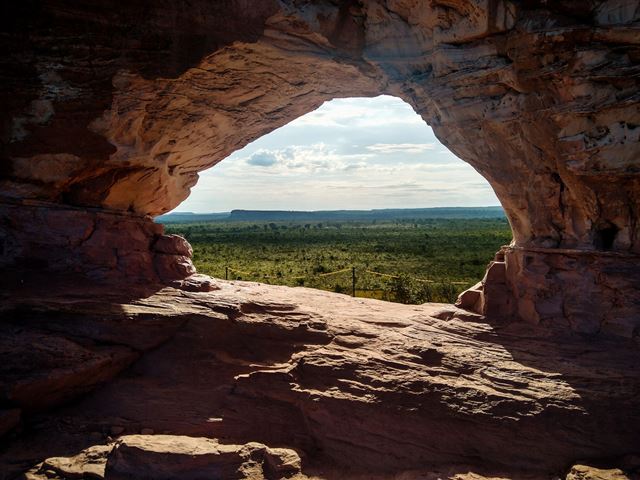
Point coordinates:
[[101, 245], [110, 110], [166, 457], [118, 107], [585, 291], [357, 387]]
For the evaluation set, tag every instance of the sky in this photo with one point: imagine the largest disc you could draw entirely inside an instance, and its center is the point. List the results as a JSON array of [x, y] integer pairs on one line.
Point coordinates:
[[354, 153]]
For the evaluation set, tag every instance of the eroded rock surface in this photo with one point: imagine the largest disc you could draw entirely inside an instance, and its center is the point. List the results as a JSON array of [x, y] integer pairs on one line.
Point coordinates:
[[196, 458], [585, 472], [118, 107], [106, 246], [110, 110], [166, 457], [357, 387]]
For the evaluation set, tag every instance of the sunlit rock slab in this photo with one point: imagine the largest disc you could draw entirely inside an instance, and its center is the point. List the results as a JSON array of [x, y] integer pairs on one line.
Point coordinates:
[[357, 384]]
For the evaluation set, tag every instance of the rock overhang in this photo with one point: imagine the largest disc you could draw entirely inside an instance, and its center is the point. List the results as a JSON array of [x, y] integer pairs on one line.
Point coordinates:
[[111, 110], [119, 113]]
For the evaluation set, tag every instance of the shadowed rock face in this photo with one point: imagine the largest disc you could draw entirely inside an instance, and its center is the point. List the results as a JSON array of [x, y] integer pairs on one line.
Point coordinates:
[[118, 107], [359, 388], [110, 110]]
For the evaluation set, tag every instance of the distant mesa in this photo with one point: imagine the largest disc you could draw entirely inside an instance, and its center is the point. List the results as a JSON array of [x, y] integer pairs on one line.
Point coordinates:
[[335, 215]]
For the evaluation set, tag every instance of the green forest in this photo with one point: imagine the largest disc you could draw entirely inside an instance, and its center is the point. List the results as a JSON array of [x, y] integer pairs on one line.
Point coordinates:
[[406, 260]]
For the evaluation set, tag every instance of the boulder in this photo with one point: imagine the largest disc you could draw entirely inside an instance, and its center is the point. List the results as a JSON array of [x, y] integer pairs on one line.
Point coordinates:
[[173, 245], [166, 457]]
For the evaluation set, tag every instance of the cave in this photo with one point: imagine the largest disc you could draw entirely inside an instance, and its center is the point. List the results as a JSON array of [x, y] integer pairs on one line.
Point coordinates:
[[110, 111], [369, 156]]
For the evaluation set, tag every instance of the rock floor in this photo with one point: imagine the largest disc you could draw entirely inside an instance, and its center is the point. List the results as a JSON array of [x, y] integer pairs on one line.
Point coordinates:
[[357, 388]]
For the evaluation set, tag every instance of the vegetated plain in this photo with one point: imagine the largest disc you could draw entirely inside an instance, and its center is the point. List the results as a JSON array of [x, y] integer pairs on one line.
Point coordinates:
[[429, 259]]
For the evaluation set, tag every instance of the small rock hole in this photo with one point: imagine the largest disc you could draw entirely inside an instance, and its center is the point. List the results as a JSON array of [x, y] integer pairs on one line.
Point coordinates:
[[605, 235]]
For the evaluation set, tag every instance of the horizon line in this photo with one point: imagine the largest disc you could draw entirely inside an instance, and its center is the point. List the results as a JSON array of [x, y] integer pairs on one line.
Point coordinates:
[[325, 210]]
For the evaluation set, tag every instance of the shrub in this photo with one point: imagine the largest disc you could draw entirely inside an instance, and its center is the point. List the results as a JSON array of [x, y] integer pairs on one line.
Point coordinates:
[[402, 289], [319, 269]]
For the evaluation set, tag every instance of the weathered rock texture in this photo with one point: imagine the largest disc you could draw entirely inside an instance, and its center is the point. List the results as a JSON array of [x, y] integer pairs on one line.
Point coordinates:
[[99, 244], [358, 388], [168, 457], [118, 107], [109, 111]]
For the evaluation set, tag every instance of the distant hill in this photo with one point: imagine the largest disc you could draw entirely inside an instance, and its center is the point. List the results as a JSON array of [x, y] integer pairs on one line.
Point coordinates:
[[334, 215], [189, 217]]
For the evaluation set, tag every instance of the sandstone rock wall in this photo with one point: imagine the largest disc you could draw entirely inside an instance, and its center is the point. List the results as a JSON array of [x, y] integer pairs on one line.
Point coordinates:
[[585, 291], [118, 107], [99, 244]]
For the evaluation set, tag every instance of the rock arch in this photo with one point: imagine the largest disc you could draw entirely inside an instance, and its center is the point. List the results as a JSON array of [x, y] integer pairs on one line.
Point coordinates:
[[111, 111]]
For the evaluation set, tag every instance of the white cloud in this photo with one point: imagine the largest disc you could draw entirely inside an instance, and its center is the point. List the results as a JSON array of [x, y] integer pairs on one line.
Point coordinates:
[[262, 158], [401, 147], [298, 159], [348, 154]]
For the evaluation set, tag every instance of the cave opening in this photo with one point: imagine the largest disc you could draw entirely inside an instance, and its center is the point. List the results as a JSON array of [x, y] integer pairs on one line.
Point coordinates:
[[605, 236], [360, 188]]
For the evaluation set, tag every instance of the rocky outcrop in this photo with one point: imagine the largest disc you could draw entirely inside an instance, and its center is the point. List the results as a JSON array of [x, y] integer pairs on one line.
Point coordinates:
[[101, 245], [357, 387], [117, 108], [166, 457], [110, 110], [89, 463], [585, 472], [584, 291]]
